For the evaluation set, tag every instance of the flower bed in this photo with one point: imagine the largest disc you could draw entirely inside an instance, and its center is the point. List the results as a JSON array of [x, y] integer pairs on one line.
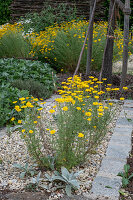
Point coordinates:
[[71, 133]]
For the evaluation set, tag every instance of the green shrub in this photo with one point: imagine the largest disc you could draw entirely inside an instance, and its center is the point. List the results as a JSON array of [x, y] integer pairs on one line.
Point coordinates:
[[48, 16], [4, 11], [13, 44], [13, 69], [35, 88], [9, 94]]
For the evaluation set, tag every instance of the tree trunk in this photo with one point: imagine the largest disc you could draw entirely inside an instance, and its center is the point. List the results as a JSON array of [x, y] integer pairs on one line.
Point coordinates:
[[106, 71], [125, 43], [90, 40]]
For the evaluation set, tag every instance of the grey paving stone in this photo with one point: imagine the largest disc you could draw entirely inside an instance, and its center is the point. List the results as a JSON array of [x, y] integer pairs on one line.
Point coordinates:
[[118, 151], [3, 132], [111, 166], [123, 122], [125, 139], [122, 130], [101, 184]]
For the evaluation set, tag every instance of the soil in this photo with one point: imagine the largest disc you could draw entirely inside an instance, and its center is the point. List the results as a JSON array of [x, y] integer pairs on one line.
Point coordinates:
[[22, 195]]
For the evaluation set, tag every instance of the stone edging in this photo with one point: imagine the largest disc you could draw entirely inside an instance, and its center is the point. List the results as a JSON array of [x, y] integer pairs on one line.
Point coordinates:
[[115, 159]]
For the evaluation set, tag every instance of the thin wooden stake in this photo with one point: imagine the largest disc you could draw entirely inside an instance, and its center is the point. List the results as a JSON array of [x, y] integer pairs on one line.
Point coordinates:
[[90, 41], [125, 43], [88, 30]]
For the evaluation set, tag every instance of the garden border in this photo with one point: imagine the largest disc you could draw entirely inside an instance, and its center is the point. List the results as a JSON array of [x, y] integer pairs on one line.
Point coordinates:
[[106, 184]]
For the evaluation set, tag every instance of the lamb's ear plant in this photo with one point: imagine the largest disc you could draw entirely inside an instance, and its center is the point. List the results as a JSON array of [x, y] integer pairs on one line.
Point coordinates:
[[125, 175], [68, 178], [26, 169]]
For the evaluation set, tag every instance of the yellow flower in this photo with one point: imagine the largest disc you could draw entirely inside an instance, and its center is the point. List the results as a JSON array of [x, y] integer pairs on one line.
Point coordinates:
[[100, 114], [96, 97], [52, 111], [52, 131], [43, 103], [65, 108], [39, 108], [22, 98], [122, 98], [88, 114], [47, 129], [36, 99], [125, 88], [104, 79], [78, 108], [14, 102], [80, 135], [35, 122], [89, 119], [19, 121], [54, 106], [106, 107], [100, 110], [13, 118], [27, 97], [28, 104], [94, 127], [30, 131], [38, 117], [110, 104], [95, 103], [23, 130]]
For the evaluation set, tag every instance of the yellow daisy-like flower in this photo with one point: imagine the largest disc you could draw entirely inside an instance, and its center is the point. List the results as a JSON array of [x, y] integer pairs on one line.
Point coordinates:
[[89, 119], [96, 97], [80, 135], [23, 130], [88, 114], [39, 108], [14, 102], [54, 106], [47, 129], [35, 122], [22, 98], [95, 103], [94, 127], [78, 108], [38, 117], [30, 131], [110, 104], [52, 111], [106, 107], [13, 118], [65, 108], [125, 88], [100, 114], [19, 121], [43, 103], [122, 98], [52, 131]]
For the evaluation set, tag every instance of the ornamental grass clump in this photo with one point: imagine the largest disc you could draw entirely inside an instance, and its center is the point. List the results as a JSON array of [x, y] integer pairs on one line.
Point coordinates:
[[73, 127]]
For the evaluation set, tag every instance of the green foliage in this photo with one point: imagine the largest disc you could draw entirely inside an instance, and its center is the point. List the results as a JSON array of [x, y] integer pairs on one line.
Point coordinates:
[[68, 178], [35, 88], [13, 69], [48, 16], [4, 11], [9, 94], [13, 44], [31, 72], [26, 170], [125, 175]]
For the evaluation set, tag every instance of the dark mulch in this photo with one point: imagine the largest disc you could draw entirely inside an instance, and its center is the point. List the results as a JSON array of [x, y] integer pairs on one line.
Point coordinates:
[[22, 195], [115, 82]]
